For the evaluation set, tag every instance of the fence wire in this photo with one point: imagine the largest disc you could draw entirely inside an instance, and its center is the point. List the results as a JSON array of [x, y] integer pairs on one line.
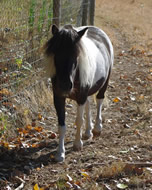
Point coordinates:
[[24, 28]]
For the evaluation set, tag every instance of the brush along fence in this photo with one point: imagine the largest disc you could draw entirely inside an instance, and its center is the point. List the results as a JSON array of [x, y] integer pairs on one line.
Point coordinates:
[[24, 28]]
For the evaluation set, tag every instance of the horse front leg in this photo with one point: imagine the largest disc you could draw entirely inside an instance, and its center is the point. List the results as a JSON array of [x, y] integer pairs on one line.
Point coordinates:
[[78, 143], [59, 103], [89, 125]]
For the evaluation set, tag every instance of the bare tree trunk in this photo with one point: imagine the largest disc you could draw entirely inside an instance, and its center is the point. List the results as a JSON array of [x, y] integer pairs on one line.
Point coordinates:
[[56, 12], [85, 12], [91, 12]]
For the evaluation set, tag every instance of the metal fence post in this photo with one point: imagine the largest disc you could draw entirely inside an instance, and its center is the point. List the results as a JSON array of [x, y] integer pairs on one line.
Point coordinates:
[[56, 12], [91, 12]]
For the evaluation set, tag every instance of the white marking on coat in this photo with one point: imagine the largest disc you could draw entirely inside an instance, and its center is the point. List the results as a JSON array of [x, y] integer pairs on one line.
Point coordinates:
[[78, 144], [60, 156]]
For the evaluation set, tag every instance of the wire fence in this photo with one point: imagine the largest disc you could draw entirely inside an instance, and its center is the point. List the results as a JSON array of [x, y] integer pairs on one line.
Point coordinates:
[[24, 28]]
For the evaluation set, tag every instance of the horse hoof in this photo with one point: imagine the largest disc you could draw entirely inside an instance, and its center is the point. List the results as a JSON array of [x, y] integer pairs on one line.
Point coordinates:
[[87, 136], [96, 133], [78, 146], [59, 158]]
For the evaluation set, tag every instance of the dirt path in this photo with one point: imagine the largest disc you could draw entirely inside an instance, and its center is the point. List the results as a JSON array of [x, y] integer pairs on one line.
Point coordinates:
[[126, 135]]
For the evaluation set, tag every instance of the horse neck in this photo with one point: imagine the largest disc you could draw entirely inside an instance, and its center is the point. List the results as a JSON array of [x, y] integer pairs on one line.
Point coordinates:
[[86, 70]]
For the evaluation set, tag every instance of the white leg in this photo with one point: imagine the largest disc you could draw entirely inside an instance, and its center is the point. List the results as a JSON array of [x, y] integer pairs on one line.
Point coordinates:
[[98, 124], [78, 144], [89, 125], [60, 156]]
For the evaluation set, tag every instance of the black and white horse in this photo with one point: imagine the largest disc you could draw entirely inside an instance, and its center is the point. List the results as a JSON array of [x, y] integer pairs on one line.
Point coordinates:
[[79, 63]]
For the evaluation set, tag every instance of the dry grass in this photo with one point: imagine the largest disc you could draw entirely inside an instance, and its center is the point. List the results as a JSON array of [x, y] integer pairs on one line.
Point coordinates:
[[131, 17], [126, 135], [33, 101]]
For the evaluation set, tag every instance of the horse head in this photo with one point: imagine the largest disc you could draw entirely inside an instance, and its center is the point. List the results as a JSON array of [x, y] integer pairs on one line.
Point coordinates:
[[64, 48]]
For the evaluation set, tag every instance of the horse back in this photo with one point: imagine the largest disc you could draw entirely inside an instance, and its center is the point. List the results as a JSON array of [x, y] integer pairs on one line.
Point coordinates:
[[96, 58], [100, 39]]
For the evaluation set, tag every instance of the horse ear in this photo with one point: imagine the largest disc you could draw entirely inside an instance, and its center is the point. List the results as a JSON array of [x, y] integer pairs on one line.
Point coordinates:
[[81, 33], [54, 29]]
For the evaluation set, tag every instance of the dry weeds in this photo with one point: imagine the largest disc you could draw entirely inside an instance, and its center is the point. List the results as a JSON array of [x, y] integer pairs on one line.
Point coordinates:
[[127, 131], [131, 18]]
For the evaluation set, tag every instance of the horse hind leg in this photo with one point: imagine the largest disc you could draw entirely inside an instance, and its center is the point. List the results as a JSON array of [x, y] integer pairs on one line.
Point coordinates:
[[99, 98], [89, 125], [98, 123]]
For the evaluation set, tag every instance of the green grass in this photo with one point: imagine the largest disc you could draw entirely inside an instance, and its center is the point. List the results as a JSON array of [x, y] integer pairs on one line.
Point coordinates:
[[32, 13], [3, 123]]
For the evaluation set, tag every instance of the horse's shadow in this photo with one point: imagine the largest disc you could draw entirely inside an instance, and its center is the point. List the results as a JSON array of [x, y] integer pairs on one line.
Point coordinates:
[[17, 162]]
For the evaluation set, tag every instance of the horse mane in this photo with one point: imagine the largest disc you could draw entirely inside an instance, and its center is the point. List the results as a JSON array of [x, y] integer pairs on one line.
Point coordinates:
[[62, 41]]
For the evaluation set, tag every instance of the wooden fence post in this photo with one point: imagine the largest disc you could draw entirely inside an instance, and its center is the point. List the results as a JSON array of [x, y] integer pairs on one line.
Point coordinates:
[[85, 12], [56, 12], [91, 12], [79, 16]]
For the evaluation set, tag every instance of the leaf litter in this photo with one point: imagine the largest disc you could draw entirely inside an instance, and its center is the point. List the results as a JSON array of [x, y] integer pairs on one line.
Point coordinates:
[[126, 137]]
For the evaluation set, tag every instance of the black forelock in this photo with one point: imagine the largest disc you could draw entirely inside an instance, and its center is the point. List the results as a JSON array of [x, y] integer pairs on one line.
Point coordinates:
[[64, 40]]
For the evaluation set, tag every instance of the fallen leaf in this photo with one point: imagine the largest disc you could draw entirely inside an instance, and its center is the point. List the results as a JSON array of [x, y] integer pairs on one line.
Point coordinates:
[[53, 136], [122, 186], [123, 76], [132, 98], [68, 185], [36, 187], [38, 129], [124, 151], [39, 116], [38, 169], [35, 145], [133, 169], [76, 186], [85, 174], [111, 156], [136, 132], [126, 126], [20, 187], [28, 127], [78, 183], [138, 171], [11, 146], [117, 99], [5, 91], [33, 123], [122, 53], [6, 145], [149, 169], [149, 77], [26, 112], [107, 187], [8, 187], [69, 178], [129, 88], [52, 156]]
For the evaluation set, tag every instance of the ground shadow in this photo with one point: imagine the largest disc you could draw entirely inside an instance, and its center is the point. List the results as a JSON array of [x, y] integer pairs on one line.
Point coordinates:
[[22, 160]]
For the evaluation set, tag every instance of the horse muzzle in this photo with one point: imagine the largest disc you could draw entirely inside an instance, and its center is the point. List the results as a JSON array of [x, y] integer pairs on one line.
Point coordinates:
[[66, 88]]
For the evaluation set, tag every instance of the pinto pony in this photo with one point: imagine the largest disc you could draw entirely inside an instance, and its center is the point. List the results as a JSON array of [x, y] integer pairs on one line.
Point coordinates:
[[79, 64]]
